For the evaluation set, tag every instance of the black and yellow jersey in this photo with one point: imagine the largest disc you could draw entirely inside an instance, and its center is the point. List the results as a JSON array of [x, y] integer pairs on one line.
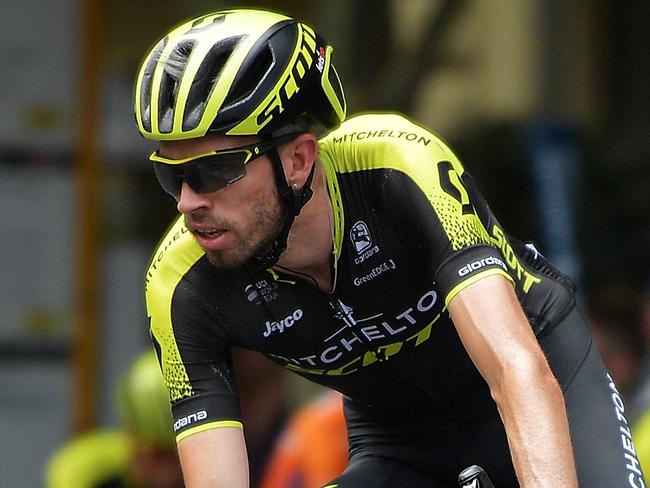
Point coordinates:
[[410, 231]]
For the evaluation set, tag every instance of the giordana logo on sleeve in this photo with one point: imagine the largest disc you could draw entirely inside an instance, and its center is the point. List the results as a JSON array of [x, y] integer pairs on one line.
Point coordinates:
[[190, 419], [480, 264]]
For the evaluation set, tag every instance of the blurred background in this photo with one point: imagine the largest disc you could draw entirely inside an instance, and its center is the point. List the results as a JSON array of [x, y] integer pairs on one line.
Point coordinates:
[[546, 102]]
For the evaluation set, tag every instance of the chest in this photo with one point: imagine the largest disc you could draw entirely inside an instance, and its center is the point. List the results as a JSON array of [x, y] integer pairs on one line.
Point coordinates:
[[385, 304]]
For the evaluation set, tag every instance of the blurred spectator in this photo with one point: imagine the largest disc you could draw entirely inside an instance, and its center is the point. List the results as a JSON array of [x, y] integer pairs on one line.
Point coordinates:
[[640, 400], [141, 454], [313, 449], [640, 396], [286, 449], [644, 315], [619, 346], [264, 405], [613, 319]]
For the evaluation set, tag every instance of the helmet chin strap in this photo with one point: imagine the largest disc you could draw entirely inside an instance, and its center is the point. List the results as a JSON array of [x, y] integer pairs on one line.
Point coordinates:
[[294, 203]]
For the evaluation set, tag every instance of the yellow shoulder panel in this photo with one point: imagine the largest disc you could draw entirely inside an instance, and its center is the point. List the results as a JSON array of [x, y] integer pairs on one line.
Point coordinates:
[[392, 142], [175, 255]]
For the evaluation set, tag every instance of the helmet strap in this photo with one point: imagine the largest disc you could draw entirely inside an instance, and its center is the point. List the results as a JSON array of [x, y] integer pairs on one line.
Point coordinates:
[[294, 203]]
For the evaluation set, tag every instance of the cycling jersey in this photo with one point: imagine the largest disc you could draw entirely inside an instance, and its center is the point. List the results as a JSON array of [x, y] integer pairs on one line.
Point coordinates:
[[410, 231]]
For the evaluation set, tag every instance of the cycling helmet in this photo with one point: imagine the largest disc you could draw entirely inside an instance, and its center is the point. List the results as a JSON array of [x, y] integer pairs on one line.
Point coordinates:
[[144, 402], [236, 72]]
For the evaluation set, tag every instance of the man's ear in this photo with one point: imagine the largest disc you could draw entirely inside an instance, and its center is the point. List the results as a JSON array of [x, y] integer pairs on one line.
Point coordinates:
[[299, 156]]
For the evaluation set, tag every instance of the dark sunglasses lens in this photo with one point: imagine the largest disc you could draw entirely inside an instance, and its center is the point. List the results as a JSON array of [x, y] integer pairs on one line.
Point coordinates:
[[214, 172], [169, 177], [228, 165], [204, 175]]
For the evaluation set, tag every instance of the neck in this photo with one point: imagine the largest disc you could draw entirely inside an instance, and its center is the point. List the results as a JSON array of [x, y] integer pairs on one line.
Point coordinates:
[[309, 247]]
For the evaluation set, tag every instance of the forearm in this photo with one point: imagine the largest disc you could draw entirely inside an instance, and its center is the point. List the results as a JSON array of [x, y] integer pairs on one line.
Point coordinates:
[[531, 406], [498, 338]]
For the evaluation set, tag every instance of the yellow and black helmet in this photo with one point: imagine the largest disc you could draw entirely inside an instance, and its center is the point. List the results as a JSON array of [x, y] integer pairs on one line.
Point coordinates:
[[143, 402], [236, 72]]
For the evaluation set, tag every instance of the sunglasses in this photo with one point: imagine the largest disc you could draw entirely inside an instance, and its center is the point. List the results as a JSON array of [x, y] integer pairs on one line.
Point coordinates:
[[212, 171]]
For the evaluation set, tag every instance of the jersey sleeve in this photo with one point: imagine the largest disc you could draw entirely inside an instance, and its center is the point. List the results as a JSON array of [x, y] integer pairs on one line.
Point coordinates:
[[193, 350], [424, 188]]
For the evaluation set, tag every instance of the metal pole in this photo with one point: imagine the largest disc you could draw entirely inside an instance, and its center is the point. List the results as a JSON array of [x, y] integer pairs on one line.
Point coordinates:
[[87, 175]]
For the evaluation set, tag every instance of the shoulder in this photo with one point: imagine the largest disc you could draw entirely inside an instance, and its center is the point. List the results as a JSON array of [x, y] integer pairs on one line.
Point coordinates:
[[176, 253], [90, 460], [382, 141]]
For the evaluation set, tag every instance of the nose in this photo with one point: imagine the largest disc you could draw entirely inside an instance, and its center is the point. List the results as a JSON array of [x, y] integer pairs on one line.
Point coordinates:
[[190, 201]]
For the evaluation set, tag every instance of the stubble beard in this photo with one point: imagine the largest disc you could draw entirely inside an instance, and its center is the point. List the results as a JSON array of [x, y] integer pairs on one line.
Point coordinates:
[[256, 234]]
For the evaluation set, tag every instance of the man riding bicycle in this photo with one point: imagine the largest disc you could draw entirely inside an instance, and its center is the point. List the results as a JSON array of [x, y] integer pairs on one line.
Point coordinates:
[[360, 255]]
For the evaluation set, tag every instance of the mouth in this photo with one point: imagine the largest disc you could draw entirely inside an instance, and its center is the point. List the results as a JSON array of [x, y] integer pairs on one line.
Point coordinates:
[[208, 233], [213, 238]]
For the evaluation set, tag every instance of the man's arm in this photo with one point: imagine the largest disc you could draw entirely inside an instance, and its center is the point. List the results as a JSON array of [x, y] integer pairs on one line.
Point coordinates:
[[498, 338], [215, 458]]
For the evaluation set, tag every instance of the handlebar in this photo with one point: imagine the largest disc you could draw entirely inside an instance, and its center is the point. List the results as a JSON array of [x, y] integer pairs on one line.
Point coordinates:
[[474, 477]]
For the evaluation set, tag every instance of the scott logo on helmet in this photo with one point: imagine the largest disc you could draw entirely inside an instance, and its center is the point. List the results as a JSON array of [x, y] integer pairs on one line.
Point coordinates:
[[290, 83]]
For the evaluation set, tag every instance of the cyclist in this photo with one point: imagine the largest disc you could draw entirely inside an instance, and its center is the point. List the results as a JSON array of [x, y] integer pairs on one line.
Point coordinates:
[[140, 454], [365, 260]]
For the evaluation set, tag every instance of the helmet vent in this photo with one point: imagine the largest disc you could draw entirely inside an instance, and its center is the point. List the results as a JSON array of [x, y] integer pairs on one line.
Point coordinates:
[[251, 78], [175, 65], [197, 24], [147, 79], [205, 80]]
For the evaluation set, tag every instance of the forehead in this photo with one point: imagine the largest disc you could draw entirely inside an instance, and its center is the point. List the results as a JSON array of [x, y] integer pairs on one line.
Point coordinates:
[[188, 147]]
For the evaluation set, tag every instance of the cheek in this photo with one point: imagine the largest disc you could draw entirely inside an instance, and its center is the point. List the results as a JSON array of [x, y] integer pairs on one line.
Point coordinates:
[[259, 174], [244, 199], [256, 187], [253, 200], [249, 208]]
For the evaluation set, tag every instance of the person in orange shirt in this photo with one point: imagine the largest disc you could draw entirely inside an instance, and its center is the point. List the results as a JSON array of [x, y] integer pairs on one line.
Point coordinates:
[[313, 448]]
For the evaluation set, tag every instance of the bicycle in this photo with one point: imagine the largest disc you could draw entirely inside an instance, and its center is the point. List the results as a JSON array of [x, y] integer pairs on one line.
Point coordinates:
[[474, 477]]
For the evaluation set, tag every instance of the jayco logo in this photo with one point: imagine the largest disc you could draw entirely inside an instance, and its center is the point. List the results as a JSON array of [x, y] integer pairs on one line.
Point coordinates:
[[285, 323]]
